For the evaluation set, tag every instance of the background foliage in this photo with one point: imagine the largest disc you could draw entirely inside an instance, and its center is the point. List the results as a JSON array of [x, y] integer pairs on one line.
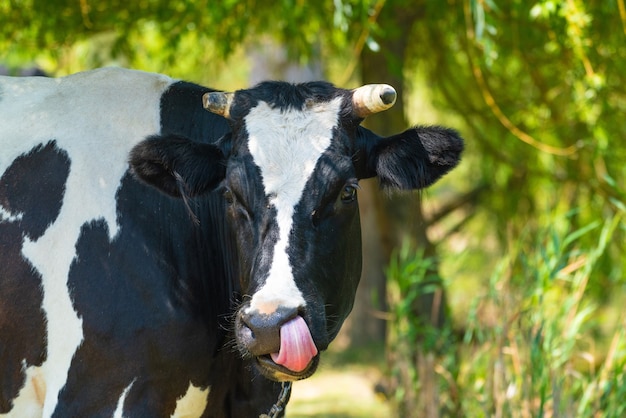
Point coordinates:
[[522, 247]]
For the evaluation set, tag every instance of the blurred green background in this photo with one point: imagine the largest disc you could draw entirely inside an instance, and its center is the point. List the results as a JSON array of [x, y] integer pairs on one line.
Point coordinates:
[[498, 292]]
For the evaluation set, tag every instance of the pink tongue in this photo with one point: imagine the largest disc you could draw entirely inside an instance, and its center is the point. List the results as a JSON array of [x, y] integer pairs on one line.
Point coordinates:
[[296, 345]]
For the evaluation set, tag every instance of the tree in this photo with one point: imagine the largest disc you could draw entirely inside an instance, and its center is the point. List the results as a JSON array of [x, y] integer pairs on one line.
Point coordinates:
[[537, 88]]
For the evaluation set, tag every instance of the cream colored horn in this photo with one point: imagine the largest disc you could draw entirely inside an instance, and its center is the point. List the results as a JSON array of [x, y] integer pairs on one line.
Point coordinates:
[[218, 103], [373, 98]]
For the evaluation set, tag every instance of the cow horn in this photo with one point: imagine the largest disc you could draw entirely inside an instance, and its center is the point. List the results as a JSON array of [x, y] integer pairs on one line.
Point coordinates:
[[372, 98], [218, 102]]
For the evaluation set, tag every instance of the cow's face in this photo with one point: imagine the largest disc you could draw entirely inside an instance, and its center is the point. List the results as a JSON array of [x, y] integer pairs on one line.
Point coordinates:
[[291, 186], [290, 179]]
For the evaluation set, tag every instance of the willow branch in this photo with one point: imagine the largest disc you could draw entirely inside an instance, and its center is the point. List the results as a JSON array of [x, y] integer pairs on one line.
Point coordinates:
[[464, 107], [578, 42], [622, 13], [84, 11], [493, 106], [456, 228], [448, 208], [360, 43]]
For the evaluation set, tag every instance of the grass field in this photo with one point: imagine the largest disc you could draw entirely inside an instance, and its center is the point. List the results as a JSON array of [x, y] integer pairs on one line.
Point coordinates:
[[342, 387]]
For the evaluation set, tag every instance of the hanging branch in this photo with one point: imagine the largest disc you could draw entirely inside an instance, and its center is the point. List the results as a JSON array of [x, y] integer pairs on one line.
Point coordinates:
[[360, 43], [456, 228], [578, 39], [493, 106], [84, 11], [622, 13], [468, 198]]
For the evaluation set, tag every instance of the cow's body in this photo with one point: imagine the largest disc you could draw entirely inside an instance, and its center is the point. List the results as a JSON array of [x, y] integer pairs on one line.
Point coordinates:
[[114, 300]]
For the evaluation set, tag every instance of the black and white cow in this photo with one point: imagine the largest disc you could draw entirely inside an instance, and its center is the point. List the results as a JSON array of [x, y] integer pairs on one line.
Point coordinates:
[[198, 296]]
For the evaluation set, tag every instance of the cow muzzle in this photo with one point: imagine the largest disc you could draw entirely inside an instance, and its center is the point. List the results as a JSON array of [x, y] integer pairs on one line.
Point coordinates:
[[281, 343]]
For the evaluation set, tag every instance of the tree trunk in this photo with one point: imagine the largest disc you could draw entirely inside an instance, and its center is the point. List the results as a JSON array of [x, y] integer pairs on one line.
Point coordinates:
[[270, 61], [379, 237], [399, 217]]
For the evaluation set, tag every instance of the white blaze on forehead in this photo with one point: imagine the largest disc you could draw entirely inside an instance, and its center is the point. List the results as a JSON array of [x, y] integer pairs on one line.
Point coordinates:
[[286, 146]]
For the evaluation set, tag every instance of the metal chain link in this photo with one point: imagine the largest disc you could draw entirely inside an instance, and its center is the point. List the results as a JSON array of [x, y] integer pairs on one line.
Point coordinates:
[[280, 404]]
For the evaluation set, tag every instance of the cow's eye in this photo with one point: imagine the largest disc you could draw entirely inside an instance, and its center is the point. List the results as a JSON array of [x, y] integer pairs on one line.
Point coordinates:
[[348, 193], [236, 208], [228, 196]]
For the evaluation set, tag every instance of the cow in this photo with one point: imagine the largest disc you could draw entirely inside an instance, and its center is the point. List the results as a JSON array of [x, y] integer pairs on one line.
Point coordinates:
[[158, 259]]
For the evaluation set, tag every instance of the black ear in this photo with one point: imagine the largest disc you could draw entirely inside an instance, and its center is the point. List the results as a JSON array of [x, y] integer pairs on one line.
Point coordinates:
[[414, 159], [178, 166]]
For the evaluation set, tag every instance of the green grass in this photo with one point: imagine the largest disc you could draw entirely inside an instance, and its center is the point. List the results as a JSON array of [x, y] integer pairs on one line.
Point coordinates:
[[342, 387], [536, 342]]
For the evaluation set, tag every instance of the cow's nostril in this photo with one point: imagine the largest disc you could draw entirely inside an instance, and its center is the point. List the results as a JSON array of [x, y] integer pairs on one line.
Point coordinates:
[[260, 333], [244, 334]]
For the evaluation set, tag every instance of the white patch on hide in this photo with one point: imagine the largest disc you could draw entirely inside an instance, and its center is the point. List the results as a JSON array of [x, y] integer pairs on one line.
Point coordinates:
[[119, 409], [29, 402], [193, 403], [6, 216], [96, 117]]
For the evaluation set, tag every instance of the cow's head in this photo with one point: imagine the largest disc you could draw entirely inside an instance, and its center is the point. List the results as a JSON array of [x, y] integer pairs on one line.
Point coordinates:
[[289, 171]]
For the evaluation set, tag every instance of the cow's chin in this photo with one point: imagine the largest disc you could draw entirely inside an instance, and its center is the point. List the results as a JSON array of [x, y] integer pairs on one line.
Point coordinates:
[[278, 373]]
